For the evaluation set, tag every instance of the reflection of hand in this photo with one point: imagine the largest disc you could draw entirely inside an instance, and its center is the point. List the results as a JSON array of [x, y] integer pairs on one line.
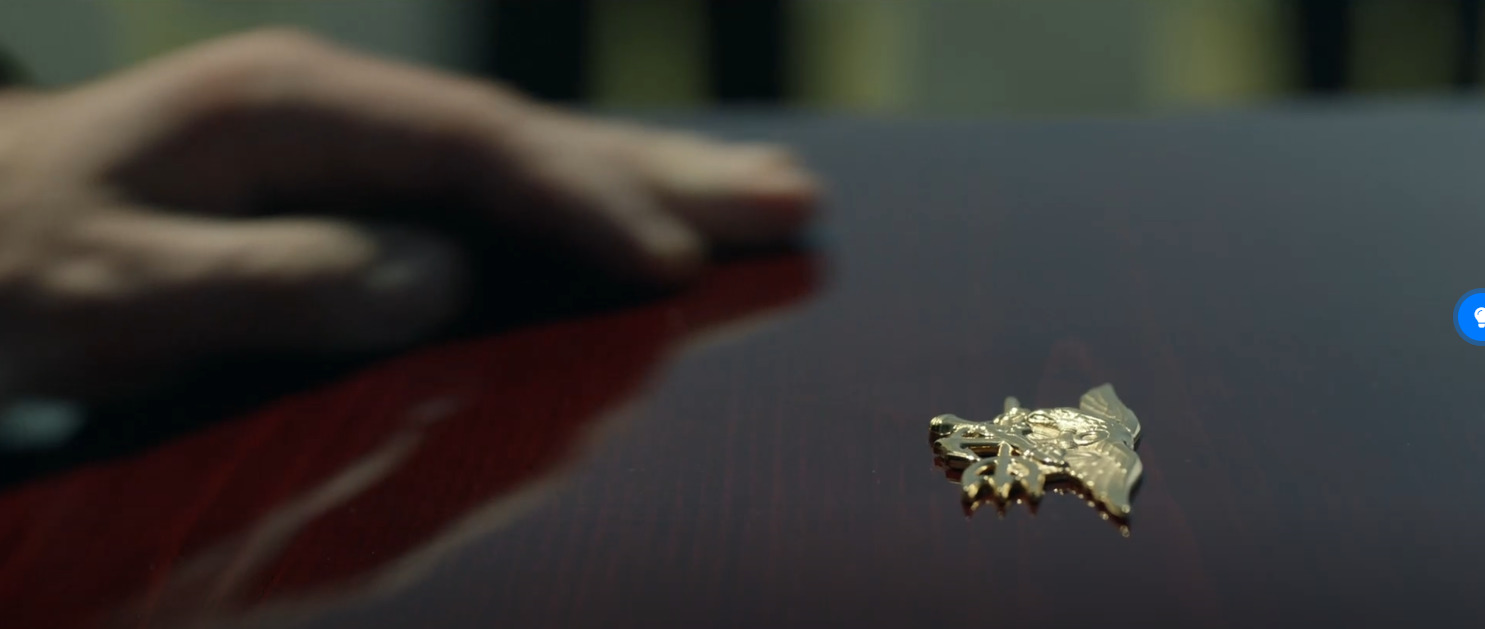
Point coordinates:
[[341, 493], [124, 227]]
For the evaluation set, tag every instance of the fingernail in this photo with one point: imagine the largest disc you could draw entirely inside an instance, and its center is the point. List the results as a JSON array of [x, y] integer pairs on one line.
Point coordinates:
[[770, 205], [416, 285], [774, 182], [789, 185]]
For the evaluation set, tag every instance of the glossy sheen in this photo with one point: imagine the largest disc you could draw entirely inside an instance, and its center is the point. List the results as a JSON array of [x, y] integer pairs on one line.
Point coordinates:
[[1092, 446], [1272, 293]]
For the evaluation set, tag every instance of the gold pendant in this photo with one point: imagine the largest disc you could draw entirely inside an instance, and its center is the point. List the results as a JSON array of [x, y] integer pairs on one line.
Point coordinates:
[[1021, 450]]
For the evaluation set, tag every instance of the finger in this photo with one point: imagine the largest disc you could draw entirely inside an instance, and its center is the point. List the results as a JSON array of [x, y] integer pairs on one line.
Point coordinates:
[[144, 285], [281, 112], [750, 195], [736, 194]]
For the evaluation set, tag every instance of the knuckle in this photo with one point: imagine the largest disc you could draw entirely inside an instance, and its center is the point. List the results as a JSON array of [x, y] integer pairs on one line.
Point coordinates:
[[260, 66], [81, 282], [268, 59], [282, 40], [30, 264], [74, 271]]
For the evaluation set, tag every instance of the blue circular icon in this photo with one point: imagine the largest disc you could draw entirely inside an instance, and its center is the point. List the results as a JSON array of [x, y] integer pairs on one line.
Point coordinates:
[[1469, 317]]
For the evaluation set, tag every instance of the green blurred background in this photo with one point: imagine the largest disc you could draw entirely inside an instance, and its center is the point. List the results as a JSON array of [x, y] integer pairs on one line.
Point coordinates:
[[921, 57]]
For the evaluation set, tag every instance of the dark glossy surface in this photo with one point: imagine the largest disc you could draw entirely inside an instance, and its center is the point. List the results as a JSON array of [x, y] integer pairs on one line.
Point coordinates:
[[1271, 293]]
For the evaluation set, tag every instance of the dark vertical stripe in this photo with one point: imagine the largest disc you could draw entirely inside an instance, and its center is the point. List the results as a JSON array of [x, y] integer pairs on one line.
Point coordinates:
[[1324, 44], [10, 73], [541, 47], [1467, 67], [747, 41]]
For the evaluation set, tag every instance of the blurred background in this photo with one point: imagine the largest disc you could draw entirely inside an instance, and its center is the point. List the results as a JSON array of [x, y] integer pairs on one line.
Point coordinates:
[[916, 57]]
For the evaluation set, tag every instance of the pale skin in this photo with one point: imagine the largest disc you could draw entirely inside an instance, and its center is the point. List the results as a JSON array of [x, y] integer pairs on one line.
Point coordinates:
[[130, 247]]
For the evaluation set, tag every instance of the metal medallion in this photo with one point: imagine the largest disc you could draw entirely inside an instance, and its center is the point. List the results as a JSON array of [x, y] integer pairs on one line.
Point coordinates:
[[1021, 451]]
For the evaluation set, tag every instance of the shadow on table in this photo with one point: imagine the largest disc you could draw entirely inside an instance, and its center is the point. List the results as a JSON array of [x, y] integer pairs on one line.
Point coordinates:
[[349, 485], [520, 287]]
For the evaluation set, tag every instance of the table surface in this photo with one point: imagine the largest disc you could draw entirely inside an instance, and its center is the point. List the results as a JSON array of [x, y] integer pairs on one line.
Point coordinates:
[[1270, 291]]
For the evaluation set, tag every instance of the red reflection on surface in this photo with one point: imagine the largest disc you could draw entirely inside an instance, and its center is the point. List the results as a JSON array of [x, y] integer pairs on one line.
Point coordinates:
[[319, 491]]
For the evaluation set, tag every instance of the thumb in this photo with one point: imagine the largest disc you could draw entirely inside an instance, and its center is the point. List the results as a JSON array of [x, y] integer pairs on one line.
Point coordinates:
[[166, 286]]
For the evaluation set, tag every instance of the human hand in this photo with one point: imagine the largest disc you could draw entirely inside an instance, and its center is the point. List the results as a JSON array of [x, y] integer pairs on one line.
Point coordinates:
[[132, 238]]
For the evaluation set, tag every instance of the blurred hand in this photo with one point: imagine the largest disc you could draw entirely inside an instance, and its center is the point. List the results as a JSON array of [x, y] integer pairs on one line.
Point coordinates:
[[132, 239]]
